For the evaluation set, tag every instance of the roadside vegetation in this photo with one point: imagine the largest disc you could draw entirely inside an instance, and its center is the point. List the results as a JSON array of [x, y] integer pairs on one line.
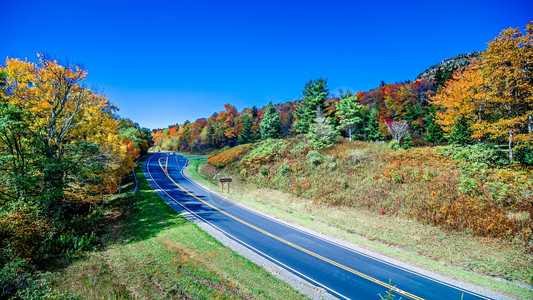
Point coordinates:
[[62, 151], [423, 200], [150, 251]]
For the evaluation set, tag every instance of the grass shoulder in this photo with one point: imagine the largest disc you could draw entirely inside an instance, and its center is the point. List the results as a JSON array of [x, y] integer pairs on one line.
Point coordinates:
[[150, 251]]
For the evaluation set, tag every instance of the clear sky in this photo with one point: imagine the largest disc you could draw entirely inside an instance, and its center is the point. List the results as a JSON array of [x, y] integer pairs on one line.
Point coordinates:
[[164, 62]]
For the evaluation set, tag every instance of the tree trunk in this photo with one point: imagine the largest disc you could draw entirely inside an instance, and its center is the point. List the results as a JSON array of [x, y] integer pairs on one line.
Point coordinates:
[[350, 134], [511, 150], [530, 124]]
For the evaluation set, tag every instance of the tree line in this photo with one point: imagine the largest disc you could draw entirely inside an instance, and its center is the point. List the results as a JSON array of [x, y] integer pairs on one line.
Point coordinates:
[[487, 97]]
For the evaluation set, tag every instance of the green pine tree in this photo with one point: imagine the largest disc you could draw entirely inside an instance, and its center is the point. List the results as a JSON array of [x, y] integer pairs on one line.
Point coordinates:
[[461, 134], [372, 128], [434, 133], [321, 132], [314, 96], [270, 125], [349, 110], [246, 135], [407, 141]]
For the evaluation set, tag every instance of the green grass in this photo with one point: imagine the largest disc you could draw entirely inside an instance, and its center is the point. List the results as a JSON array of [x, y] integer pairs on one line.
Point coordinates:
[[152, 252], [452, 254]]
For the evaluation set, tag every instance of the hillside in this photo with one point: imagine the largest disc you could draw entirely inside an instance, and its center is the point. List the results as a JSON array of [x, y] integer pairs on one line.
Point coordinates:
[[442, 71], [453, 205]]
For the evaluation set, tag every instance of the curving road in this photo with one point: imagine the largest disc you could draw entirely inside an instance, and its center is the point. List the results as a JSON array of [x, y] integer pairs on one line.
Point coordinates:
[[342, 272]]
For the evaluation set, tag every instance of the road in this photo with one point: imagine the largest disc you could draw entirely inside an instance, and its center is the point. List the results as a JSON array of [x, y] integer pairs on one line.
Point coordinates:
[[342, 272]]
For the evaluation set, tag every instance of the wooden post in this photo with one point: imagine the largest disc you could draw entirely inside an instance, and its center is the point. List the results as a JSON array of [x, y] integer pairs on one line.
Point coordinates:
[[222, 180]]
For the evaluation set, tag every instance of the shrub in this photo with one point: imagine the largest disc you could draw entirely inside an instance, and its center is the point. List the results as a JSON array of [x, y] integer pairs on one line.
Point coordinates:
[[223, 158], [263, 153], [394, 145], [479, 153], [264, 170], [284, 169], [524, 155], [315, 158], [25, 232]]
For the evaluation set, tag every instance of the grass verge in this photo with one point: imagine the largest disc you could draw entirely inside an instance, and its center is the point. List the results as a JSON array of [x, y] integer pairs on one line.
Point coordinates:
[[448, 253], [151, 252]]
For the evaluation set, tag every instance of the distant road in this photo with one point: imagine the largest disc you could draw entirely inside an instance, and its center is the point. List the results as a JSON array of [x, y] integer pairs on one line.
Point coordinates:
[[342, 272]]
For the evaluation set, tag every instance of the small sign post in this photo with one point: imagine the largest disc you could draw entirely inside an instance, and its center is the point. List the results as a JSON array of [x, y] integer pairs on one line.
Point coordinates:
[[222, 181]]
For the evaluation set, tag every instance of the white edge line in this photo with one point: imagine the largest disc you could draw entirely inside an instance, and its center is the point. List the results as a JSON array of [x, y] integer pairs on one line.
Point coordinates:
[[287, 224], [239, 241]]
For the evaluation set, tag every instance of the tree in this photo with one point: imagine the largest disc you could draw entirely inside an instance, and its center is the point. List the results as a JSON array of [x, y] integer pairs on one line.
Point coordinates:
[[314, 97], [372, 127], [407, 142], [461, 100], [246, 134], [348, 109], [434, 133], [398, 129], [270, 125], [508, 73], [321, 133], [461, 133], [69, 129]]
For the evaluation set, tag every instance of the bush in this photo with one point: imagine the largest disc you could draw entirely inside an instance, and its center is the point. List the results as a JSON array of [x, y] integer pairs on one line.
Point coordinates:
[[284, 169], [223, 158], [315, 158], [25, 232], [264, 170], [487, 154], [524, 155], [20, 280], [263, 153], [394, 145]]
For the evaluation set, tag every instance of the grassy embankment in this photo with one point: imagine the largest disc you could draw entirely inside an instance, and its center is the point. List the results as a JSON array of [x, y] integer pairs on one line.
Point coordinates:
[[151, 252], [371, 196]]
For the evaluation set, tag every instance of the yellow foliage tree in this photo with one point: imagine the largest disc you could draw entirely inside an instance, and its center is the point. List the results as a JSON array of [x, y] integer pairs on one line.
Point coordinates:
[[508, 72]]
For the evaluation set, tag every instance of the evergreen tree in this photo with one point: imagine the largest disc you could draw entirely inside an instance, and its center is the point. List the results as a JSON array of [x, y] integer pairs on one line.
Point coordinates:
[[407, 142], [314, 96], [434, 133], [321, 133], [461, 134], [270, 125], [349, 109], [412, 116], [246, 134], [372, 128]]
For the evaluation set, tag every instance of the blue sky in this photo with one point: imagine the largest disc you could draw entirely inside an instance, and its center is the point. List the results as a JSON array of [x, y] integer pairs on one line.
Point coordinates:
[[164, 62]]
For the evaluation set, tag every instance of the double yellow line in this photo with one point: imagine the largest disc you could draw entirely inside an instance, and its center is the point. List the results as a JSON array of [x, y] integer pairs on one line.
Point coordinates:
[[384, 284]]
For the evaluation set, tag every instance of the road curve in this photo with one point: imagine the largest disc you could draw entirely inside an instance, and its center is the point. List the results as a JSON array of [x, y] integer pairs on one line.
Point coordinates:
[[342, 272]]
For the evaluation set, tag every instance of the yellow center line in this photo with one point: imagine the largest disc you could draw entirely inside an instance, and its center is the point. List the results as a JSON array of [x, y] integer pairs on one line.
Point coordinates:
[[384, 284]]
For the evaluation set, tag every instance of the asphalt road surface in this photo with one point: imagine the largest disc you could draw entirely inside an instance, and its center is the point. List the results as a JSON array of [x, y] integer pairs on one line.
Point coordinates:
[[342, 272]]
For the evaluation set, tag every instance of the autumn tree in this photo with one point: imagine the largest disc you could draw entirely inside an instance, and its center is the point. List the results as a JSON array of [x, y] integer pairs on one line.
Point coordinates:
[[508, 73], [68, 127], [314, 98], [461, 100]]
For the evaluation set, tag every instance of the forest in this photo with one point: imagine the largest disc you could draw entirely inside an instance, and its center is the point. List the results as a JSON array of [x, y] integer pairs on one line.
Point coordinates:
[[63, 149]]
